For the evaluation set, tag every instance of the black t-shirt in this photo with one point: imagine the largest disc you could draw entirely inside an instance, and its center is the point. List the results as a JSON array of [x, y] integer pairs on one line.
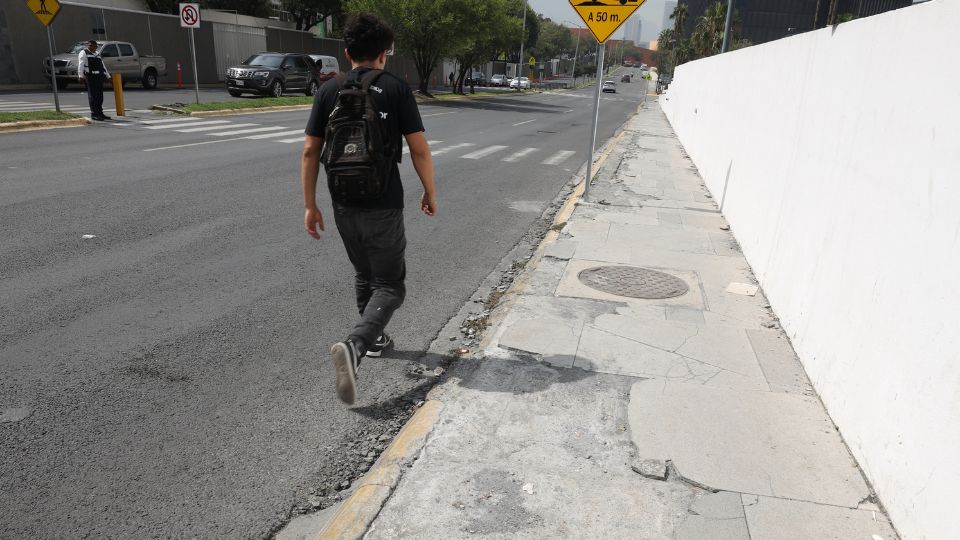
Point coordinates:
[[395, 100]]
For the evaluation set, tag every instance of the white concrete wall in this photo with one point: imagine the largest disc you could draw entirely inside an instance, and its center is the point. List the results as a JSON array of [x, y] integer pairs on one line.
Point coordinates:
[[842, 185]]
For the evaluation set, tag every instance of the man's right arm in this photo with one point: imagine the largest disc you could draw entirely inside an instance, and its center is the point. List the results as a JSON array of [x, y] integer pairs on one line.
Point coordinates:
[[423, 163]]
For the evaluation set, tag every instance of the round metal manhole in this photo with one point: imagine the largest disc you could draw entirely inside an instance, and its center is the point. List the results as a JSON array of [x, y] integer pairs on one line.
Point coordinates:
[[633, 282]]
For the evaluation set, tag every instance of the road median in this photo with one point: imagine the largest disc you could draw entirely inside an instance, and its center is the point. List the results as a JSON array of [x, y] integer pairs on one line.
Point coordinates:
[[223, 108], [31, 120]]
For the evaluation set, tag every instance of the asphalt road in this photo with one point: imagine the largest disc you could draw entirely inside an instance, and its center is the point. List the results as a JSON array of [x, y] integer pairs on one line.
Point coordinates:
[[167, 375]]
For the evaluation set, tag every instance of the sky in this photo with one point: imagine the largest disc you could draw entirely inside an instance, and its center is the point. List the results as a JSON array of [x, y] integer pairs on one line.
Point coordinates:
[[651, 12]]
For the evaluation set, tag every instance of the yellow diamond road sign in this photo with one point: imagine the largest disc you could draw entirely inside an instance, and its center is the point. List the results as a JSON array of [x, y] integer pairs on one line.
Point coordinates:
[[603, 17], [45, 10]]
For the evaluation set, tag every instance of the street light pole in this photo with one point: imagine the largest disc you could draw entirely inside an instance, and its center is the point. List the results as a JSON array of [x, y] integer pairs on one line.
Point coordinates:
[[523, 36], [575, 54], [726, 27]]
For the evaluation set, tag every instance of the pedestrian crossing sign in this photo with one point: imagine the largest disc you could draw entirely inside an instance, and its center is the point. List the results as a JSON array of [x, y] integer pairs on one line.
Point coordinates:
[[45, 10], [603, 17]]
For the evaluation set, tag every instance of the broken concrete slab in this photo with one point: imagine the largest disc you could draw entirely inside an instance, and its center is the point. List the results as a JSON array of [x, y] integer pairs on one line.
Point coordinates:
[[779, 362], [715, 516], [556, 340], [563, 248], [784, 519], [773, 444], [654, 469]]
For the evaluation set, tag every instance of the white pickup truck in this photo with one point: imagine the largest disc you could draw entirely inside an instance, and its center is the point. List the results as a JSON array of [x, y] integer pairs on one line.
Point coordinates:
[[119, 57]]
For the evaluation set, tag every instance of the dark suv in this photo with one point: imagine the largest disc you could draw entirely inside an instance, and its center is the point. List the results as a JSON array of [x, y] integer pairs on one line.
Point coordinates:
[[272, 74]]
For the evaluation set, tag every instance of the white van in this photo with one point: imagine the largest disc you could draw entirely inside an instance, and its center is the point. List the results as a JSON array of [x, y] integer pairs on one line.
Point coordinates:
[[328, 66]]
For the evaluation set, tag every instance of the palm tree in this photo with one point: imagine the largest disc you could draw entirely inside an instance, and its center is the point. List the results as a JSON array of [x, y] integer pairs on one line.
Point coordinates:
[[679, 17]]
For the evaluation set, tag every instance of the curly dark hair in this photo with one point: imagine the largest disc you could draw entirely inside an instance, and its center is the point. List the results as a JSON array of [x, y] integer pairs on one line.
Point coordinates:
[[366, 36]]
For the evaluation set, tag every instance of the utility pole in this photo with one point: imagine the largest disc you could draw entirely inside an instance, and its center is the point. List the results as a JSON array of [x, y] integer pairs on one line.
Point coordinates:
[[575, 54], [596, 118], [726, 28], [523, 37]]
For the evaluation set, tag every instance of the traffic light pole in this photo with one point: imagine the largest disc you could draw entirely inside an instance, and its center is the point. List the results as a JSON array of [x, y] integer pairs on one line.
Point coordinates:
[[596, 118]]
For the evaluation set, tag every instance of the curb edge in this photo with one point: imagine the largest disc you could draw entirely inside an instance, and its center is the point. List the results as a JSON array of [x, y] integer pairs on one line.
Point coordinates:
[[364, 504]]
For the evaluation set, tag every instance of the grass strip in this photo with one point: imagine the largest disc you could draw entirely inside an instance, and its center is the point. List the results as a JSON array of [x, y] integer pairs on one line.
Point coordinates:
[[30, 116], [245, 104]]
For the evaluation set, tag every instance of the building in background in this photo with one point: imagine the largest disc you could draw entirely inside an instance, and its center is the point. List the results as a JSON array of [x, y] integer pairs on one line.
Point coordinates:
[[767, 20], [667, 11], [633, 29]]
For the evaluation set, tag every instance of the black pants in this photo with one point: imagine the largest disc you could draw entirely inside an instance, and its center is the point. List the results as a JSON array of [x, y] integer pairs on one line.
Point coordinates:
[[95, 94], [376, 245]]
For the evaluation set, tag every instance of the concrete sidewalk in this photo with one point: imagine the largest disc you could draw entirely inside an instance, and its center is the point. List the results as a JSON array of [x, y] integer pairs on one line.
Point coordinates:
[[661, 400]]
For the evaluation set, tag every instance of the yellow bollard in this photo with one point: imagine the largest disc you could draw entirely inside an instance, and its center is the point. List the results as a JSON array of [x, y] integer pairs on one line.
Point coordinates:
[[118, 93]]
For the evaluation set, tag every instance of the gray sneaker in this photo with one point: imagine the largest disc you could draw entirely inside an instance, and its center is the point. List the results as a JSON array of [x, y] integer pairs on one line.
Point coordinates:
[[346, 359]]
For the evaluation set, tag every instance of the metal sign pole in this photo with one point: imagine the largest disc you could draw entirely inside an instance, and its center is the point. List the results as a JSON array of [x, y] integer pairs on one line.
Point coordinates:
[[53, 73], [193, 53], [596, 118]]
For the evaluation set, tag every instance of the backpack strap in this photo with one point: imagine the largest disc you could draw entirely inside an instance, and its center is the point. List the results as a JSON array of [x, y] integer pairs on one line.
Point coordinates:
[[370, 77]]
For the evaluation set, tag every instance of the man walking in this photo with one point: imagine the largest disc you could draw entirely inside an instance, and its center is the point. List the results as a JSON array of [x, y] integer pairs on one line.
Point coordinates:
[[90, 68], [368, 208]]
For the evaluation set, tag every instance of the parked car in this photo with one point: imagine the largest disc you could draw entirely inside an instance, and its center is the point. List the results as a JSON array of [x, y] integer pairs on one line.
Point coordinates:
[[521, 83], [272, 74], [328, 66], [499, 80], [609, 86], [626, 78], [475, 79], [118, 57]]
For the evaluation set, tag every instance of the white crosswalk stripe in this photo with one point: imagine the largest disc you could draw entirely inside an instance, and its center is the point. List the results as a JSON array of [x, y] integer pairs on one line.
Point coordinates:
[[448, 149], [558, 158], [170, 120], [291, 141], [212, 128], [520, 155], [275, 134], [484, 152], [406, 149], [189, 124], [235, 132]]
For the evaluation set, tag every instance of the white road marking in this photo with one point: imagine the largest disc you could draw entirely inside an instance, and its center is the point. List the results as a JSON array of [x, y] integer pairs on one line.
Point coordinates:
[[291, 141], [558, 158], [520, 155], [189, 124], [484, 152], [275, 134], [245, 131], [191, 144], [443, 151], [170, 120], [522, 123], [437, 114], [406, 149], [212, 128]]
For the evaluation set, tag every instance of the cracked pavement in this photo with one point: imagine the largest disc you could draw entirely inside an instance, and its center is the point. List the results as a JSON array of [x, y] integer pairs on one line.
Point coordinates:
[[562, 426]]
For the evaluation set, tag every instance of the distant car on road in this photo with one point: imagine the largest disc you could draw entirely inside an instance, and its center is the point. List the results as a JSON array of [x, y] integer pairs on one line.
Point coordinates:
[[521, 83], [272, 74], [609, 86], [499, 80], [626, 78], [476, 79], [328, 66], [118, 57]]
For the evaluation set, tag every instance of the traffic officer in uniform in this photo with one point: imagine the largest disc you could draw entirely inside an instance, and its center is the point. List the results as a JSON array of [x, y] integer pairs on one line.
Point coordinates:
[[90, 68]]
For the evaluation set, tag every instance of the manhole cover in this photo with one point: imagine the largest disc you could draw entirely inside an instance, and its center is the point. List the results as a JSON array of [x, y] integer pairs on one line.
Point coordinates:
[[633, 282]]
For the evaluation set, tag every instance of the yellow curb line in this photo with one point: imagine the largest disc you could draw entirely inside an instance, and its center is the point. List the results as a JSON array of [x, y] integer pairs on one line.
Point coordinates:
[[32, 125], [361, 508]]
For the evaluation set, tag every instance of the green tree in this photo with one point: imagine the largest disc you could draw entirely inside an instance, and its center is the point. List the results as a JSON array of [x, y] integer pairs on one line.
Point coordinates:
[[309, 13], [428, 29], [487, 31], [679, 16], [707, 38]]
